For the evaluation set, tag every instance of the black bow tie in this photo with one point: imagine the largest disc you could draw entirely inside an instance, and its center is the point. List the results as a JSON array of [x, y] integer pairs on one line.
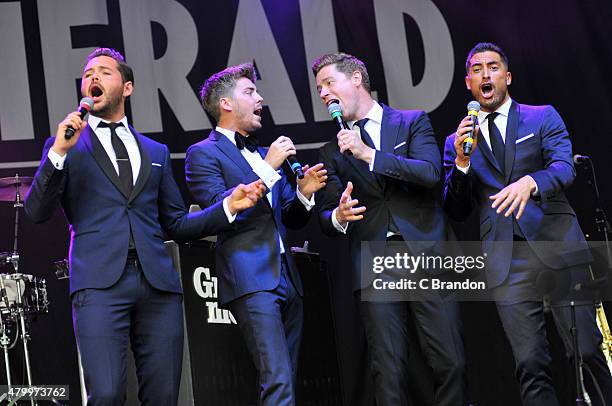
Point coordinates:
[[249, 142]]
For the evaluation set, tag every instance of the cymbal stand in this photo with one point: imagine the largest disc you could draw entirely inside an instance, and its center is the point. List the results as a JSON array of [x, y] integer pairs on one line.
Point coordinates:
[[20, 305], [4, 339]]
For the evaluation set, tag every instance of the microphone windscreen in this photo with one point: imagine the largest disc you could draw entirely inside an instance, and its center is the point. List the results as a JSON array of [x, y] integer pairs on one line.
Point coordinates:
[[473, 106]]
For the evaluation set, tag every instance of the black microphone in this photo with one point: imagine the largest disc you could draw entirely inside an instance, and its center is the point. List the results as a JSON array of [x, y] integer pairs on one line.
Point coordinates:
[[335, 111], [546, 282], [580, 159], [473, 108], [85, 105], [295, 166]]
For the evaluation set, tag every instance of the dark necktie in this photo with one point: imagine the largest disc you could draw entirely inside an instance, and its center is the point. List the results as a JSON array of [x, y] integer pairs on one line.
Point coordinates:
[[365, 137], [123, 159], [497, 143], [249, 142]]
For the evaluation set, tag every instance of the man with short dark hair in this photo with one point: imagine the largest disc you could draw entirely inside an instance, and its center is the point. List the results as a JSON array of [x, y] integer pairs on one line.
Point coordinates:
[[258, 279], [515, 177], [119, 196], [392, 168]]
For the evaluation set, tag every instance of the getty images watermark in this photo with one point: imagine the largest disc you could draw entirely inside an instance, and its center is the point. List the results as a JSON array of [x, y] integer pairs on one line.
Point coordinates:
[[405, 263], [469, 271]]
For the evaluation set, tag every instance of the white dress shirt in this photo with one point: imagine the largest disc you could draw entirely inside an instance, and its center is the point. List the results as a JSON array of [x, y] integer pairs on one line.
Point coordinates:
[[501, 121], [374, 127], [266, 173], [131, 145]]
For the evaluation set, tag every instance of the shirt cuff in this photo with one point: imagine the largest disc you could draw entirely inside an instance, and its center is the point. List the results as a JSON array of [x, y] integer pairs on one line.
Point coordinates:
[[464, 170], [230, 217], [337, 225], [537, 190], [308, 204], [56, 159], [266, 173]]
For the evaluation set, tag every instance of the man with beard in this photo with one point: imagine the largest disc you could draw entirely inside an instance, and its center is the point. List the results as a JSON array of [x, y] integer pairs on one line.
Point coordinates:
[[258, 278], [392, 169], [121, 201], [516, 180]]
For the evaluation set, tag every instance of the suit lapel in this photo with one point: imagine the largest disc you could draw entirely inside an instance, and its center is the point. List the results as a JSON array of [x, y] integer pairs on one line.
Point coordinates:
[[99, 153], [145, 165], [229, 149], [511, 135], [389, 130]]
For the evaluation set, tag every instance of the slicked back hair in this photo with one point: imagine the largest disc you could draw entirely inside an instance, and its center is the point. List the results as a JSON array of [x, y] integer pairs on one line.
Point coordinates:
[[345, 63], [222, 84], [483, 47], [126, 71]]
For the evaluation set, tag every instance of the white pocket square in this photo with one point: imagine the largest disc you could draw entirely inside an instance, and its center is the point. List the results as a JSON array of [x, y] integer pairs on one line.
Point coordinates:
[[399, 145], [525, 138], [154, 164]]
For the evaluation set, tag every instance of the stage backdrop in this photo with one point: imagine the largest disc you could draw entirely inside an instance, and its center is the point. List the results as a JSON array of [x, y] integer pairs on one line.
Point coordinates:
[[415, 50]]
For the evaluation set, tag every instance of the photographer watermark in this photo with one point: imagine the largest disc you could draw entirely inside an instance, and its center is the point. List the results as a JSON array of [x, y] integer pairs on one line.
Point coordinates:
[[469, 271]]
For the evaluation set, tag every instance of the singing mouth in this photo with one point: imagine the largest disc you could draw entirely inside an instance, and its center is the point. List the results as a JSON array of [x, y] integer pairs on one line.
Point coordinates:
[[96, 91], [487, 90], [257, 112]]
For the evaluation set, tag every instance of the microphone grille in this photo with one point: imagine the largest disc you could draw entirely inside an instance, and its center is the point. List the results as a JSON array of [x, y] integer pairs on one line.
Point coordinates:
[[87, 102], [473, 106], [333, 107]]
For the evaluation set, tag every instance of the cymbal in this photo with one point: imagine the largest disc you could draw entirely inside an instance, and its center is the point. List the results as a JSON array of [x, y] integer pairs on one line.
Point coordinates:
[[9, 186]]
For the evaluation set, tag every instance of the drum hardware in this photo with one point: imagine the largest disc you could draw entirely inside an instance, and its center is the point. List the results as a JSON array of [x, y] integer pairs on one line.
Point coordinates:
[[22, 296]]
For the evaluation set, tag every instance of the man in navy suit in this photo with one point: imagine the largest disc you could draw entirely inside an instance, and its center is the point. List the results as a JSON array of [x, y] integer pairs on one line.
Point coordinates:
[[258, 279], [119, 196], [393, 166], [515, 179]]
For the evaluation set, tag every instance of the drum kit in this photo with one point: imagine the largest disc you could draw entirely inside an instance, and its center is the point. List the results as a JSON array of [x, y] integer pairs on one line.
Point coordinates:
[[22, 296]]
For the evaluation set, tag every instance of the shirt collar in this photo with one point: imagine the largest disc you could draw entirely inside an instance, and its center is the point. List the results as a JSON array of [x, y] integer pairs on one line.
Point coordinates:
[[503, 110], [228, 133], [94, 122], [375, 114]]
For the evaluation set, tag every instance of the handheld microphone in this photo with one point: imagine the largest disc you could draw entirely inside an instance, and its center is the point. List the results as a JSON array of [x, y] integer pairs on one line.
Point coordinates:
[[335, 111], [295, 166], [580, 159], [85, 105], [473, 108]]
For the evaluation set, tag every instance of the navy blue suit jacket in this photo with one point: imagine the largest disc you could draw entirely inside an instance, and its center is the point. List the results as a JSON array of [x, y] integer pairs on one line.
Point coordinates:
[[406, 169], [100, 213], [247, 257], [537, 144]]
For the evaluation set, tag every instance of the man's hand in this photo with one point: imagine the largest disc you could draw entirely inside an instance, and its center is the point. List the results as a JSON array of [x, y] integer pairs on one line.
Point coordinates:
[[351, 140], [279, 151], [245, 196], [464, 128], [313, 181], [346, 211], [514, 195], [61, 146]]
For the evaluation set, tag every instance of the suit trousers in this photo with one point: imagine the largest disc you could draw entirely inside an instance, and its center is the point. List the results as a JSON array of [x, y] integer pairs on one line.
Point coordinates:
[[271, 324], [107, 321], [524, 325], [439, 332]]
